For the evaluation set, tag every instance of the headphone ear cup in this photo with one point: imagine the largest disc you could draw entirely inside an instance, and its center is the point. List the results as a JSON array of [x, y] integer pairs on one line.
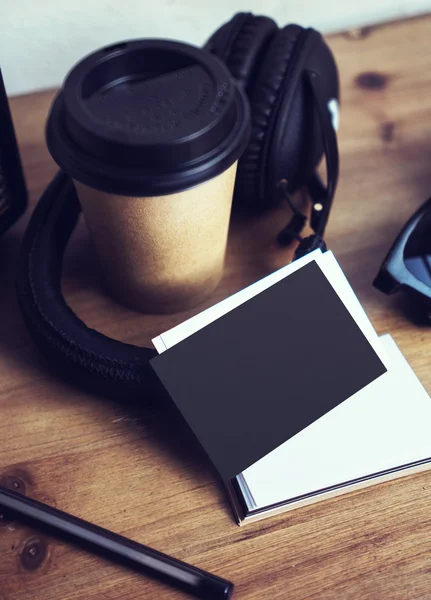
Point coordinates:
[[269, 86], [286, 140], [220, 41], [241, 43], [298, 137]]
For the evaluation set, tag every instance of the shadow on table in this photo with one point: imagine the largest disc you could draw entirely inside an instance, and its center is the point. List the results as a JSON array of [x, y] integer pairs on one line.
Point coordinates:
[[169, 436]]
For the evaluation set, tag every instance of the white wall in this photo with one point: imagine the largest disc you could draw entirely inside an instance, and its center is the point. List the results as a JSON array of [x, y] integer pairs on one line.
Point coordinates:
[[41, 39]]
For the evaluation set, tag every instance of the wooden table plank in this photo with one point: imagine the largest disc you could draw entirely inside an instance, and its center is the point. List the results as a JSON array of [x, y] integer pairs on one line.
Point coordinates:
[[140, 474]]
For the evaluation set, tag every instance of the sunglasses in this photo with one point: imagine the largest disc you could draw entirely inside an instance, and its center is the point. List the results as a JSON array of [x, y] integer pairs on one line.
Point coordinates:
[[408, 263]]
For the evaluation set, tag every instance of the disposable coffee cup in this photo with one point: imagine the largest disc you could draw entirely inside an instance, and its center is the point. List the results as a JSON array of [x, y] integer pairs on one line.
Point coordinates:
[[150, 131]]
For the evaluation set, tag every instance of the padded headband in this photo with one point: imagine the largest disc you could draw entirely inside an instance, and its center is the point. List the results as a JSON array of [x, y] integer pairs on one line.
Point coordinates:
[[81, 354]]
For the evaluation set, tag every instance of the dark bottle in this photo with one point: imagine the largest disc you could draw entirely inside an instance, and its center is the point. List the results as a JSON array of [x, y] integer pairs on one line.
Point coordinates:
[[13, 193]]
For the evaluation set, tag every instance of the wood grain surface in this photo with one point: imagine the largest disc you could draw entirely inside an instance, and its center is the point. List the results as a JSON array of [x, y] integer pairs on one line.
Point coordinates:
[[140, 474]]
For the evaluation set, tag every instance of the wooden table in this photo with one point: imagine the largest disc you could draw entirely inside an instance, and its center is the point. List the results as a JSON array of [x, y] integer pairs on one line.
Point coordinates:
[[140, 475]]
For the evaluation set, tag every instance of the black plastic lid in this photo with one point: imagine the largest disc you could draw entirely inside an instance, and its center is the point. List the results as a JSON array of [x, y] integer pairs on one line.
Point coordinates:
[[148, 117]]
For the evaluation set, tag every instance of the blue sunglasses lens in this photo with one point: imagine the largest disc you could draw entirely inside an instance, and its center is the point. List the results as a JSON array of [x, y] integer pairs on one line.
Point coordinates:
[[417, 252]]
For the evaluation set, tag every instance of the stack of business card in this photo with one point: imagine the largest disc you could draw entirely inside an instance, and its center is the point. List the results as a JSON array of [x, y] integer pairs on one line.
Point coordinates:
[[292, 394]]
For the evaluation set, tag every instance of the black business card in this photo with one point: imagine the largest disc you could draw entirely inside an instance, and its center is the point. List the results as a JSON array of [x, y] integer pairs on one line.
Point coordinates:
[[249, 381]]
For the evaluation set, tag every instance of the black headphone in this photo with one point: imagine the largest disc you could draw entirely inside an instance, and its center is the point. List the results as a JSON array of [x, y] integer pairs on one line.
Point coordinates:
[[291, 80]]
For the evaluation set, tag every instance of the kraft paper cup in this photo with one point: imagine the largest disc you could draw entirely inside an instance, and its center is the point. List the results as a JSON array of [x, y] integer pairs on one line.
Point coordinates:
[[161, 253], [150, 132]]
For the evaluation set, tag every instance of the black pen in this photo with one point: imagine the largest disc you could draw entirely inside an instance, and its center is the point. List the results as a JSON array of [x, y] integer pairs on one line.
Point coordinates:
[[115, 547]]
